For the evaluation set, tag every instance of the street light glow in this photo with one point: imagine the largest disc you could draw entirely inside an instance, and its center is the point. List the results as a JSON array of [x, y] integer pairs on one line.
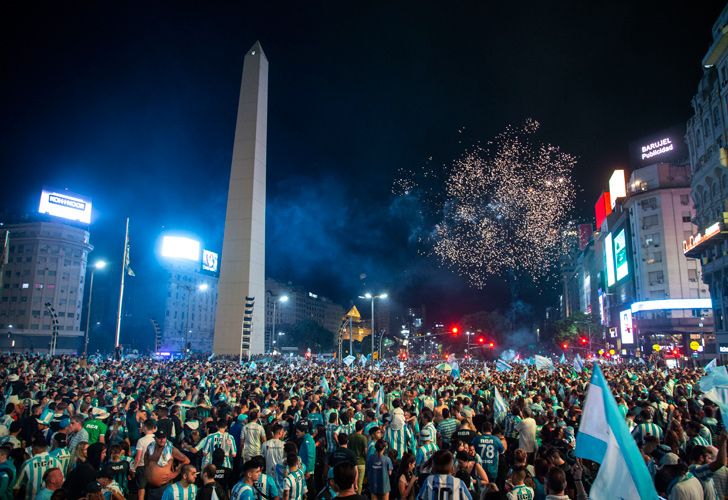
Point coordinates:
[[100, 264], [367, 295], [283, 298], [383, 296], [203, 287]]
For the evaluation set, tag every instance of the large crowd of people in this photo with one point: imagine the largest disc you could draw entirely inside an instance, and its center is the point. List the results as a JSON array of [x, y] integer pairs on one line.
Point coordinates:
[[282, 430]]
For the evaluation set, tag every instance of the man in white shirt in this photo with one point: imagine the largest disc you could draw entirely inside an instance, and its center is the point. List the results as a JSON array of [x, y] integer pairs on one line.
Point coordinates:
[[252, 437], [527, 434], [273, 450]]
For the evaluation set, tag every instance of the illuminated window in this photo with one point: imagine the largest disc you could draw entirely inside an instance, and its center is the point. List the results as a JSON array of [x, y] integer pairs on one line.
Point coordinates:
[[26, 285]]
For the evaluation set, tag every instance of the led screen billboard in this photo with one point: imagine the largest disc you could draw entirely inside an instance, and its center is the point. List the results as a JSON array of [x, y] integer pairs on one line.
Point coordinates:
[[665, 146], [209, 261], [65, 205], [625, 326], [620, 255], [179, 247], [609, 258]]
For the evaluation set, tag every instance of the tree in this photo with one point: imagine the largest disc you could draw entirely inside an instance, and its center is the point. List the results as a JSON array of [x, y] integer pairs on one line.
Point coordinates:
[[570, 328]]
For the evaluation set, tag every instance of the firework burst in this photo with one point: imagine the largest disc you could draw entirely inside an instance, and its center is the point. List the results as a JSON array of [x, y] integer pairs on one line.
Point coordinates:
[[504, 207]]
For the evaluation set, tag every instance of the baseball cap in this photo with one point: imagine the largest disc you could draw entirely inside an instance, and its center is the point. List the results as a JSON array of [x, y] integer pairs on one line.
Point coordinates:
[[160, 434]]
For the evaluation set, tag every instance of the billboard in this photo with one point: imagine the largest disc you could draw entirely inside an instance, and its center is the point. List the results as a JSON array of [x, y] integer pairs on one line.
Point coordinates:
[[602, 208], [625, 326], [209, 261], [179, 247], [665, 146], [585, 234], [617, 187], [65, 205], [620, 255], [609, 258]]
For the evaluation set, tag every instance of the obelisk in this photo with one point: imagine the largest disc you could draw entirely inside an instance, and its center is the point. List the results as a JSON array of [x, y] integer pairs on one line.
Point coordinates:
[[242, 271]]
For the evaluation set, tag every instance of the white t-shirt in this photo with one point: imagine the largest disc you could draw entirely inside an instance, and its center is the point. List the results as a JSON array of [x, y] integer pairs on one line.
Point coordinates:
[[527, 434], [689, 489], [142, 445]]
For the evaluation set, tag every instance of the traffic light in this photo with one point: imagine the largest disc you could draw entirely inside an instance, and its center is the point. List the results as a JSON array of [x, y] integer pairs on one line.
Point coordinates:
[[454, 330], [491, 344], [583, 340], [565, 345], [480, 340]]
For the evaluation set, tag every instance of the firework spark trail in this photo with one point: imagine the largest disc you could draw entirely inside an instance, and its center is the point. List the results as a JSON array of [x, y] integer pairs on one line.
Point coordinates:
[[505, 206]]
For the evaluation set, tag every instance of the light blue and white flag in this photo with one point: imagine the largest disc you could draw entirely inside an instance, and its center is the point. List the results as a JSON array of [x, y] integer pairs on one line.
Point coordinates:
[[379, 399], [543, 363], [578, 364], [502, 366], [524, 376], [349, 360], [500, 408], [711, 366], [714, 386], [362, 360], [455, 372], [562, 359], [325, 385], [253, 367], [604, 438]]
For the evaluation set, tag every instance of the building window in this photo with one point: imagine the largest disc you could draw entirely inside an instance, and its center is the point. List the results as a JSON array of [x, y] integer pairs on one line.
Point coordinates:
[[656, 277], [649, 221], [26, 285], [693, 275], [686, 218], [684, 200], [649, 204]]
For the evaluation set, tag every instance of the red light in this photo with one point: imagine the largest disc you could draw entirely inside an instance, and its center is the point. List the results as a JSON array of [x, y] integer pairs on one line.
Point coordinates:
[[454, 330], [492, 344], [481, 340], [565, 345], [583, 340]]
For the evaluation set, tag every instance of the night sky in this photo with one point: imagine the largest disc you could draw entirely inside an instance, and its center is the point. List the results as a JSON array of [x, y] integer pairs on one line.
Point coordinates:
[[133, 104]]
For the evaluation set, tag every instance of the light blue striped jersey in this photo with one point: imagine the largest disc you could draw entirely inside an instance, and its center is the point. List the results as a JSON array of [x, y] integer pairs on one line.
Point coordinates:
[[331, 431], [424, 453], [209, 443], [64, 457], [295, 485], [399, 440], [443, 487], [31, 473], [242, 491], [267, 486], [646, 428], [176, 491]]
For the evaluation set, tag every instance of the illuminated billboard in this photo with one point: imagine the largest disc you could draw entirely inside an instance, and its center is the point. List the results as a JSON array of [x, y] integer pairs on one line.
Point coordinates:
[[179, 247], [65, 205], [617, 187], [602, 208], [609, 257], [665, 146], [620, 255], [625, 326], [209, 261]]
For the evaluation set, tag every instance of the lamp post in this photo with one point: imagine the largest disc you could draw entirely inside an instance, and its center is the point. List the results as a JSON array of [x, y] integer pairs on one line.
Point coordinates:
[[468, 334], [371, 297], [202, 287], [276, 298], [98, 265]]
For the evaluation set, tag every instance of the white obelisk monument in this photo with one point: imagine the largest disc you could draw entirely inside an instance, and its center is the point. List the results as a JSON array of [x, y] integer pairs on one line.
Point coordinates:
[[242, 271]]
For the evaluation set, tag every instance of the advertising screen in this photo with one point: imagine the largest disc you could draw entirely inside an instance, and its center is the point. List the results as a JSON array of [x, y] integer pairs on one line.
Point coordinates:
[[209, 261], [620, 255], [65, 205], [179, 247], [625, 326], [617, 187], [664, 146], [609, 257]]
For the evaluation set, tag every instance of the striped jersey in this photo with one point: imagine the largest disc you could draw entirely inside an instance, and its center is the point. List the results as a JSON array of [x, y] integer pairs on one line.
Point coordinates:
[[520, 492], [399, 440], [267, 486], [176, 491], [242, 491], [64, 457], [31, 473], [209, 443], [331, 431], [295, 485], [646, 428], [443, 487], [424, 453], [698, 441], [121, 474], [347, 429], [509, 426]]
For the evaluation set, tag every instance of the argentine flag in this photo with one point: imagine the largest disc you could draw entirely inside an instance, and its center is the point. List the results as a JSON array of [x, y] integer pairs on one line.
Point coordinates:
[[603, 437], [325, 385], [711, 366], [562, 359], [543, 363], [500, 408], [502, 366], [578, 364]]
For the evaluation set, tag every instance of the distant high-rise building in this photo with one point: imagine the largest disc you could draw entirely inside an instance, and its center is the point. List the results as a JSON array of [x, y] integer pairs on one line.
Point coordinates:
[[189, 315], [46, 264]]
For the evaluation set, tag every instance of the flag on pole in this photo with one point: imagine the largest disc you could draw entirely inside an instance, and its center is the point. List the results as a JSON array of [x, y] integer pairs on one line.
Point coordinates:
[[502, 366], [578, 364], [603, 437], [127, 259], [500, 407], [455, 372], [524, 376], [711, 366], [379, 399], [562, 359], [325, 385]]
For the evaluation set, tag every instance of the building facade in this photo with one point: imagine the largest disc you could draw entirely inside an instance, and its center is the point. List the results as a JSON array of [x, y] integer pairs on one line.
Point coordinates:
[[707, 138], [44, 276], [189, 312], [302, 305]]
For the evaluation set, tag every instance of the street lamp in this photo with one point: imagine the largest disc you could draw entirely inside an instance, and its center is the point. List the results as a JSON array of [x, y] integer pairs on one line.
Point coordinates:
[[371, 297], [97, 266], [276, 299], [202, 287]]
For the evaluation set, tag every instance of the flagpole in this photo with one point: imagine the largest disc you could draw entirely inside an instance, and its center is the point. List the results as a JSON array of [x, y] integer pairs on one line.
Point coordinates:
[[124, 263]]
